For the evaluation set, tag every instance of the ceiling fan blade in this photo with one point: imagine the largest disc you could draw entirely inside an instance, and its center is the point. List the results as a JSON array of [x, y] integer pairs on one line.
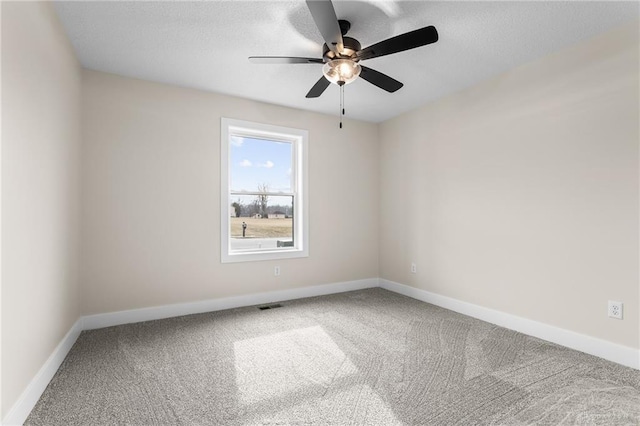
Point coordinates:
[[383, 81], [317, 89], [324, 15], [283, 60], [402, 42]]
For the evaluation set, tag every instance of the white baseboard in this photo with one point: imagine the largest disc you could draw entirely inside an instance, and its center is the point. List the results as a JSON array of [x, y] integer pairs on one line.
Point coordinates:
[[28, 399], [168, 311], [620, 354]]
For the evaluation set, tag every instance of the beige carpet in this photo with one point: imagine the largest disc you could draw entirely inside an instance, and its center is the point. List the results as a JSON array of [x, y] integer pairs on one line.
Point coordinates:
[[369, 357]]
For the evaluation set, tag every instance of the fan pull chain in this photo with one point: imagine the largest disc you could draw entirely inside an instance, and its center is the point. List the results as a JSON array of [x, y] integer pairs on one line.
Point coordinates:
[[341, 103]]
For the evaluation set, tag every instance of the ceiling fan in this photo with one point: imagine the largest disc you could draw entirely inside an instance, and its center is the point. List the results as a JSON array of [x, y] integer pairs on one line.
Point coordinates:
[[341, 55]]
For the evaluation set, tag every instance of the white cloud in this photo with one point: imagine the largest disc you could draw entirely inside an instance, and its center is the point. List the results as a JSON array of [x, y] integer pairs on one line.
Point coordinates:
[[236, 141], [245, 163], [267, 164]]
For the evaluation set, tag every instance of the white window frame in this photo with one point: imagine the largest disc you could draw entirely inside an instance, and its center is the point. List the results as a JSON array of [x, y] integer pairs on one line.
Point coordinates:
[[300, 188]]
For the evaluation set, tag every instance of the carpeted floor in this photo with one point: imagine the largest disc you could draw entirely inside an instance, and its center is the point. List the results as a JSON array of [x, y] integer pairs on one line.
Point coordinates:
[[368, 357]]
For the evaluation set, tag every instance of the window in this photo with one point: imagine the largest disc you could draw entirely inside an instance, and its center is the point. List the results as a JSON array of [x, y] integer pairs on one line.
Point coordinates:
[[263, 192]]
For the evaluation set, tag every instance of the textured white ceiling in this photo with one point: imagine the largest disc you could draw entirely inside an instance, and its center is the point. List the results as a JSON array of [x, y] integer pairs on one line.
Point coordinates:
[[205, 45]]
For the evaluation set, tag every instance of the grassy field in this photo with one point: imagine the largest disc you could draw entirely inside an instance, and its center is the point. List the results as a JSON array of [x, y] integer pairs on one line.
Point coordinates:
[[261, 228]]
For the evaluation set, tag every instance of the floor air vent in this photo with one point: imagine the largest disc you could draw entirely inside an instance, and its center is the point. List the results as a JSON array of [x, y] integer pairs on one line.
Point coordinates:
[[277, 305]]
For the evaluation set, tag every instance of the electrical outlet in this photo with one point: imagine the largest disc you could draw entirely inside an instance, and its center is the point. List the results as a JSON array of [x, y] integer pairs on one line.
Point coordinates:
[[414, 269], [276, 271], [615, 309]]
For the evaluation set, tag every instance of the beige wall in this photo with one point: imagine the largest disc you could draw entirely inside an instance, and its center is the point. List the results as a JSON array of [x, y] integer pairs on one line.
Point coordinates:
[[151, 203], [40, 153], [521, 194]]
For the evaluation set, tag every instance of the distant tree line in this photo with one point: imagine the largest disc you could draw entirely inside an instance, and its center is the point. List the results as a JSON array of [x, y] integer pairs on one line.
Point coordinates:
[[255, 207], [260, 205]]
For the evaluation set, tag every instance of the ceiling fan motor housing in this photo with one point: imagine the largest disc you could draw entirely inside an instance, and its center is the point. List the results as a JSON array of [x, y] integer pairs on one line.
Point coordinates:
[[351, 46]]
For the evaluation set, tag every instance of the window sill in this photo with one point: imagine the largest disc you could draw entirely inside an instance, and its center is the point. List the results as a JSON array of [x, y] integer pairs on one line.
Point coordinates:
[[257, 256]]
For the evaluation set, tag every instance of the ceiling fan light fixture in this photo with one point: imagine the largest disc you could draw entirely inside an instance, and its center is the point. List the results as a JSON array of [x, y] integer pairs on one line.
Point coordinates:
[[341, 71]]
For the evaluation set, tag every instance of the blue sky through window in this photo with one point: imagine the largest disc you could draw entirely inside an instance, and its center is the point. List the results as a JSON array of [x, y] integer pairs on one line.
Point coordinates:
[[259, 161]]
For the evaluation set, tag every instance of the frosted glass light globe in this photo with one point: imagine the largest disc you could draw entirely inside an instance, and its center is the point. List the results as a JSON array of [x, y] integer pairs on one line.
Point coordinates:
[[341, 70]]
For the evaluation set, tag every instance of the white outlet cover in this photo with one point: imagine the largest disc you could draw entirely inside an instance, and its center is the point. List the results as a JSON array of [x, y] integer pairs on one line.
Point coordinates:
[[615, 309]]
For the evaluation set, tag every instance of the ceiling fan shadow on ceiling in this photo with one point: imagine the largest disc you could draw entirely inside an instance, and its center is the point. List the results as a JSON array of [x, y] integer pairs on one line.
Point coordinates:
[[341, 55]]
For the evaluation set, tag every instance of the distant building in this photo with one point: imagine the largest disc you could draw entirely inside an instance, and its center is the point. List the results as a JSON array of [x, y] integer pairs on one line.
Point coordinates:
[[257, 216], [277, 215]]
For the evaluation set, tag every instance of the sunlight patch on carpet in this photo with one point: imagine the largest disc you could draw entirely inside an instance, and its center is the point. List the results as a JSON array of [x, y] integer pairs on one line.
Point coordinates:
[[280, 364], [354, 404]]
